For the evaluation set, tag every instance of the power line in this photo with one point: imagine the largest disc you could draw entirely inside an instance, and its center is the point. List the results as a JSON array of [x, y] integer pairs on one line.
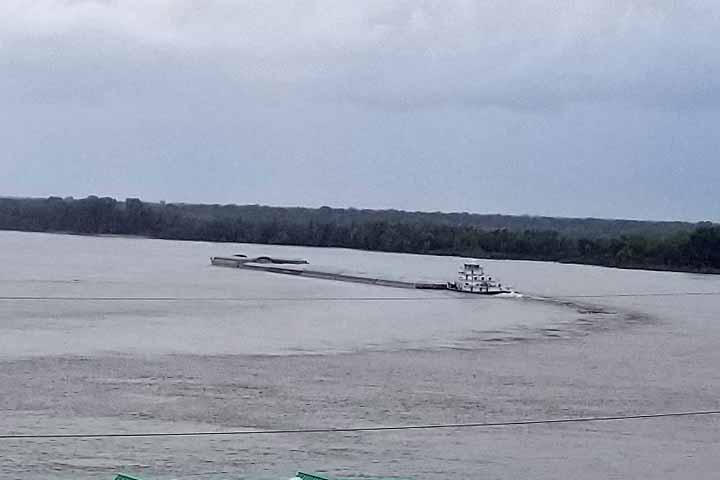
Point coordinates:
[[358, 429], [665, 294], [222, 472], [219, 299], [329, 299]]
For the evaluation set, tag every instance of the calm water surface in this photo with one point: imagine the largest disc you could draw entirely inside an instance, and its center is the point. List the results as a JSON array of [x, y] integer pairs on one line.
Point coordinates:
[[236, 349]]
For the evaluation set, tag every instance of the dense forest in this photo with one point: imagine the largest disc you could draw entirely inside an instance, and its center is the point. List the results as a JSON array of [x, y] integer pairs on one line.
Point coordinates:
[[618, 243]]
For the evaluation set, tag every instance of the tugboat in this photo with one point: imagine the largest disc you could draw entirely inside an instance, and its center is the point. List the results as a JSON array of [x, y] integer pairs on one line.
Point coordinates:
[[472, 279]]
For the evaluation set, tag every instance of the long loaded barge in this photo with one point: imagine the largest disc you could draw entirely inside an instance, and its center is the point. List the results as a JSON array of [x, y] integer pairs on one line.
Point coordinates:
[[471, 278]]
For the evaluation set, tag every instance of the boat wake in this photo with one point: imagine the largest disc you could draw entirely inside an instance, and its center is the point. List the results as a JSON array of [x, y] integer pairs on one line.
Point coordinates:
[[510, 295]]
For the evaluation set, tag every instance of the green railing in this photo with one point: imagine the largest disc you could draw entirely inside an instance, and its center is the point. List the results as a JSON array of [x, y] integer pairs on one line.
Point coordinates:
[[309, 476]]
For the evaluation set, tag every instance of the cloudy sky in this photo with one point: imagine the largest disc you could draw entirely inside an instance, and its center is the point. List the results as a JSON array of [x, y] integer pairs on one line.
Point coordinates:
[[574, 108]]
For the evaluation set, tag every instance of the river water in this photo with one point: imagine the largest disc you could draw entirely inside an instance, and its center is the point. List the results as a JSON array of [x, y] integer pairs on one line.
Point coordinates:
[[147, 337]]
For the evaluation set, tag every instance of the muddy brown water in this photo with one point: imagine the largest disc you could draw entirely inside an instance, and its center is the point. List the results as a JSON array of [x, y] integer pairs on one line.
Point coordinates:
[[227, 349]]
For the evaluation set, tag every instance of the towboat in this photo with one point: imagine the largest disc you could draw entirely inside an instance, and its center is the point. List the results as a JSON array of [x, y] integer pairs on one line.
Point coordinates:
[[473, 279]]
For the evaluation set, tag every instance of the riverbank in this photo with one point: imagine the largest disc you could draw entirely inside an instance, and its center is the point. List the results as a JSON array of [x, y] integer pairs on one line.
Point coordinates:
[[478, 255], [668, 246]]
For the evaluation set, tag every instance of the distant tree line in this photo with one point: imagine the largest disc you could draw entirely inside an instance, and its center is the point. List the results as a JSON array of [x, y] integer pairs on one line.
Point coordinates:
[[619, 243]]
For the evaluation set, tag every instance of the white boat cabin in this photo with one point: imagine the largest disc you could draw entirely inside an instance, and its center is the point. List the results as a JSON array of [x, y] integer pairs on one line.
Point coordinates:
[[472, 278]]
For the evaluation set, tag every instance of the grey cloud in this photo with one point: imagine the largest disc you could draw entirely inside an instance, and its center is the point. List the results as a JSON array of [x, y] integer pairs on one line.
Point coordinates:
[[477, 54], [606, 108]]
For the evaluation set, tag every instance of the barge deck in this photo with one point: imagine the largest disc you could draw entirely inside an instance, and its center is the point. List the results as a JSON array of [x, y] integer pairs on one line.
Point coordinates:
[[272, 267]]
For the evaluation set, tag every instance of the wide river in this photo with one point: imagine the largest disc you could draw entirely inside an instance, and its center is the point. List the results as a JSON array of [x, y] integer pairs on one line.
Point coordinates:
[[117, 335]]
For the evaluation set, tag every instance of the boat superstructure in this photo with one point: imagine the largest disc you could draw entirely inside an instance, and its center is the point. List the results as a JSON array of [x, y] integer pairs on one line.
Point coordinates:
[[473, 279]]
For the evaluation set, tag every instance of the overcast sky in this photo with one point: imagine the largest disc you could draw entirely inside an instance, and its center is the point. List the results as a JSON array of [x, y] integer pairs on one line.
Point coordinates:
[[574, 108]]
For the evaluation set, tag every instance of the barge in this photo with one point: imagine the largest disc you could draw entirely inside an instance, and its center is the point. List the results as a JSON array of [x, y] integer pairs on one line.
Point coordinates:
[[471, 278]]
